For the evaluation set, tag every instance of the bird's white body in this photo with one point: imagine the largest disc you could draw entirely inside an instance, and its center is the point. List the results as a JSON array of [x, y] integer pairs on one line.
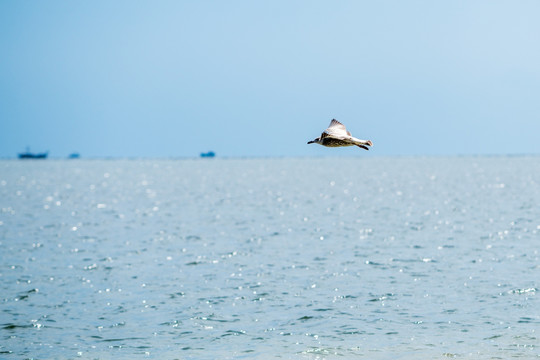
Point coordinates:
[[337, 135]]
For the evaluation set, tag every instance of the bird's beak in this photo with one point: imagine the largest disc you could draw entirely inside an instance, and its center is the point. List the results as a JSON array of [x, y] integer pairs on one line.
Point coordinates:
[[311, 142]]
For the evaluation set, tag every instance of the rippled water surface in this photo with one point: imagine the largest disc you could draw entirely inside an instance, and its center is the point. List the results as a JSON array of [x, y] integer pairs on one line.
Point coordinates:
[[365, 258]]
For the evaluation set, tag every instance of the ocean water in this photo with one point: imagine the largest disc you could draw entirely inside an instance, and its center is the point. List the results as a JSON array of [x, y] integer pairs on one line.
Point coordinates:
[[307, 258]]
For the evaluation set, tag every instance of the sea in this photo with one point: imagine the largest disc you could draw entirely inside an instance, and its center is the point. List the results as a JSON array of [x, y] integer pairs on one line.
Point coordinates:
[[270, 258]]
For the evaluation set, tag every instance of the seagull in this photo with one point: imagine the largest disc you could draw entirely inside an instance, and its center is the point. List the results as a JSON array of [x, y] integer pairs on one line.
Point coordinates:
[[337, 135]]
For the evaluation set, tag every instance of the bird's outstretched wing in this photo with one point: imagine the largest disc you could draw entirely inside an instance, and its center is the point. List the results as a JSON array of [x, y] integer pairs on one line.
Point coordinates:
[[337, 129]]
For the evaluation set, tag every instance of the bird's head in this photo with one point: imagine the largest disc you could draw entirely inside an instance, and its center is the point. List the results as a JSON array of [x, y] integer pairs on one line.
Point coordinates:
[[315, 141]]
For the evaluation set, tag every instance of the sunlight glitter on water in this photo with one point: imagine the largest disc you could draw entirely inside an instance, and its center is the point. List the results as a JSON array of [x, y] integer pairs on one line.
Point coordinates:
[[176, 259]]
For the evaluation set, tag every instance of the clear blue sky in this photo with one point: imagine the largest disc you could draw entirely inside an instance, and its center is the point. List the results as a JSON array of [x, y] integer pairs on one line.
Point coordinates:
[[261, 78]]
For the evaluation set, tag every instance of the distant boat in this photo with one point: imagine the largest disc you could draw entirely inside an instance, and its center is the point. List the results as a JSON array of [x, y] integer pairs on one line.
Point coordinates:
[[74, 156], [29, 155], [209, 154]]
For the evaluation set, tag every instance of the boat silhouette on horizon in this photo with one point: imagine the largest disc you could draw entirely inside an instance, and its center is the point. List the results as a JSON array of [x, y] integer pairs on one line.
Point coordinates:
[[28, 155], [209, 154]]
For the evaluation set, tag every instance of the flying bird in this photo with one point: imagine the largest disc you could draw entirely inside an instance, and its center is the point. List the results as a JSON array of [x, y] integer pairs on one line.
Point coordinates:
[[337, 135]]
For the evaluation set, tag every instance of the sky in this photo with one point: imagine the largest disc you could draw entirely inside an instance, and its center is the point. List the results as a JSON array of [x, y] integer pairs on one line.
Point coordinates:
[[261, 78]]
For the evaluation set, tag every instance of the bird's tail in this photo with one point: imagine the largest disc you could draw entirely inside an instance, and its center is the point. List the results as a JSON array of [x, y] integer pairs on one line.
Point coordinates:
[[363, 143]]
